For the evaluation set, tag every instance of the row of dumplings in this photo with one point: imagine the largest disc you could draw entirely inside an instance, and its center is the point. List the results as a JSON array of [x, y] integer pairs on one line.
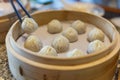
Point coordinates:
[[55, 26], [61, 42], [77, 27], [34, 44]]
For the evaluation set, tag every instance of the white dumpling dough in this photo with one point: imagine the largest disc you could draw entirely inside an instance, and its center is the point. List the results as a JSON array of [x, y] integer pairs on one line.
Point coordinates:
[[60, 43], [75, 53], [79, 26], [33, 43], [48, 50], [54, 26], [96, 34], [96, 45], [29, 25], [71, 34]]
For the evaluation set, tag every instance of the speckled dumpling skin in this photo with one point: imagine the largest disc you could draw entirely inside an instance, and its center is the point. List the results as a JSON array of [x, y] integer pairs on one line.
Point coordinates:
[[75, 53], [29, 25], [33, 43], [54, 26], [95, 45], [48, 51], [71, 34], [96, 34], [60, 43], [79, 26]]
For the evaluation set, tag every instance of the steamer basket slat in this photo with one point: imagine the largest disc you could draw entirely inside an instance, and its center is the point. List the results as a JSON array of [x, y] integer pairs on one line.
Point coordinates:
[[25, 65]]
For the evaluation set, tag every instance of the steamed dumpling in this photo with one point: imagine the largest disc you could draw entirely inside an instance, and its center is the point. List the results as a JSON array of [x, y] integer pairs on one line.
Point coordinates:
[[48, 50], [79, 26], [61, 44], [96, 34], [54, 26], [75, 53], [33, 43], [94, 46], [71, 34], [29, 25]]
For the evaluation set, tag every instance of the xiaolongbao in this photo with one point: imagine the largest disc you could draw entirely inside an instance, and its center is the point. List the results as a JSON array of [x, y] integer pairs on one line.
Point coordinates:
[[61, 44], [71, 34], [29, 25], [94, 46], [48, 50], [96, 34], [54, 26], [75, 53], [79, 26], [33, 43]]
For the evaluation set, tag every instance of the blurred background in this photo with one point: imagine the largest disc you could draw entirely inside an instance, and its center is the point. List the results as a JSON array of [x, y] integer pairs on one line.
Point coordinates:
[[59, 4], [110, 3]]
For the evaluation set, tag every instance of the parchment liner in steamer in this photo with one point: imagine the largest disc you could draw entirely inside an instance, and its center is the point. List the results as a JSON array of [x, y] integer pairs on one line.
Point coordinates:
[[47, 38]]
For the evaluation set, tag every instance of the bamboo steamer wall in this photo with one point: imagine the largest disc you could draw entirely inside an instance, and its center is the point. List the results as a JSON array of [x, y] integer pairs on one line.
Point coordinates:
[[25, 65], [7, 20]]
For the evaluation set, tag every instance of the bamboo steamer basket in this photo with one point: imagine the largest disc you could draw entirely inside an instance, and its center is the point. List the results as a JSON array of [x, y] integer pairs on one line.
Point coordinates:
[[8, 19], [101, 65]]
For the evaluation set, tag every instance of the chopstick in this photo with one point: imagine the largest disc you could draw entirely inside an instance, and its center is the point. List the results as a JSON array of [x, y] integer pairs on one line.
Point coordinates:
[[17, 12], [18, 1]]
